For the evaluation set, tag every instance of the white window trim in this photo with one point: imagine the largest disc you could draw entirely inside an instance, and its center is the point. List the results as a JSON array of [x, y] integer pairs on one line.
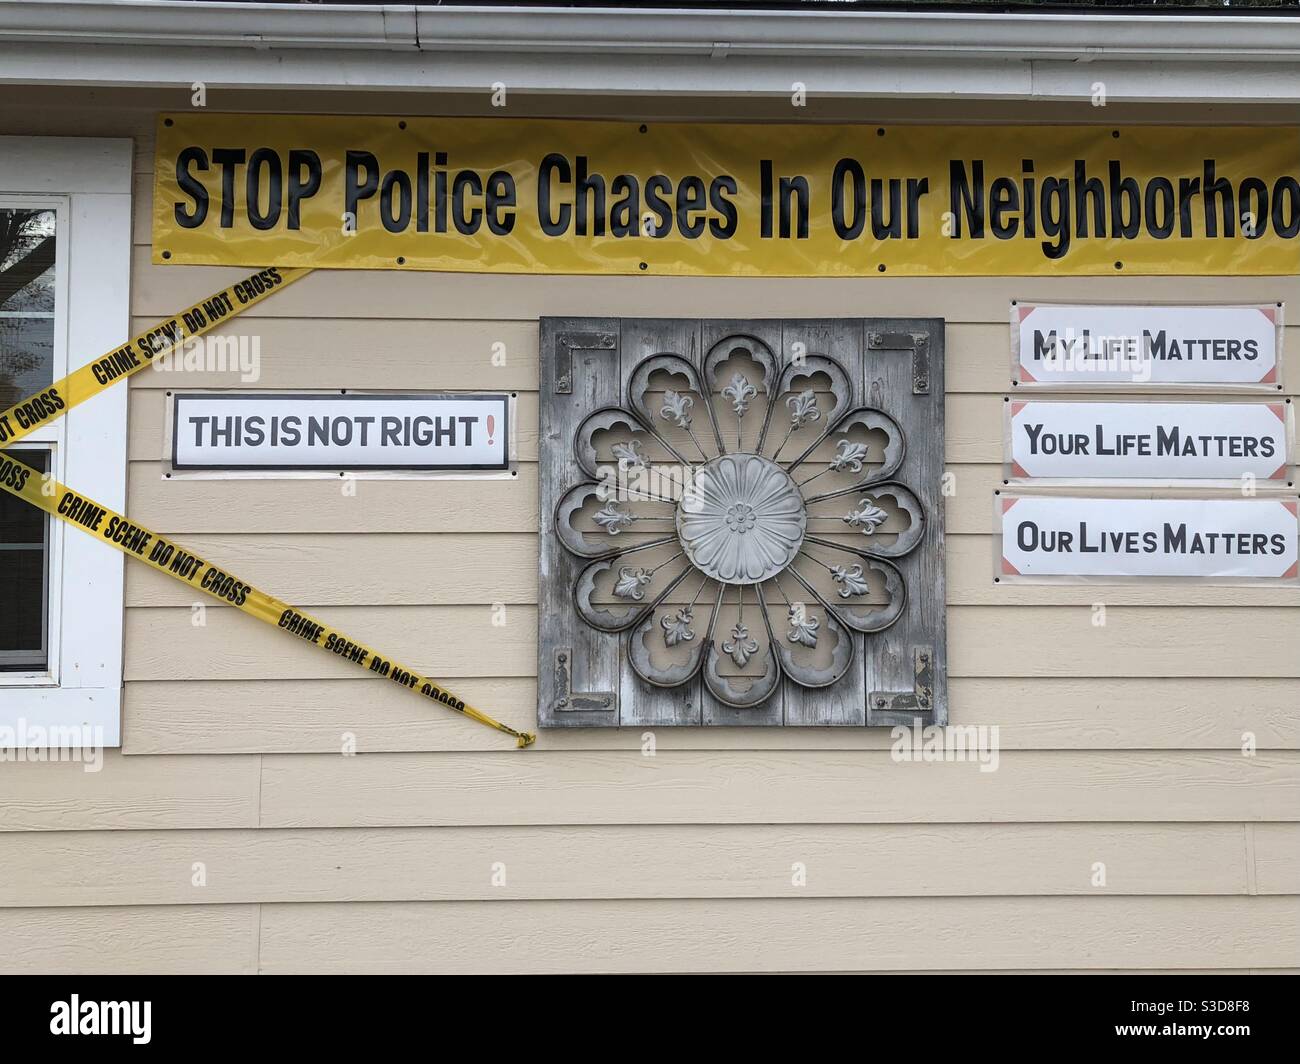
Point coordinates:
[[81, 694]]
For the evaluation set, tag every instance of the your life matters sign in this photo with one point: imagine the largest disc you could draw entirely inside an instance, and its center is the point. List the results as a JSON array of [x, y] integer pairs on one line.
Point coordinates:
[[1149, 441]]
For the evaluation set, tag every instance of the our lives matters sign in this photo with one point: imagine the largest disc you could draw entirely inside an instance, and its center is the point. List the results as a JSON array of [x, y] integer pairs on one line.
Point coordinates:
[[1232, 538], [262, 431], [1149, 441], [1081, 346], [541, 196]]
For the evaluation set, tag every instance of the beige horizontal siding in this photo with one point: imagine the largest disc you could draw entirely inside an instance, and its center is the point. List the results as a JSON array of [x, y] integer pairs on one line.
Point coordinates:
[[130, 792], [779, 787], [765, 935], [643, 861], [1092, 935], [131, 940], [573, 787], [313, 716]]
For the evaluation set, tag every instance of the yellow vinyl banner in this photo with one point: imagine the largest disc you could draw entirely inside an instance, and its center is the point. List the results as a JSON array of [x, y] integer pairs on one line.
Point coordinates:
[[572, 197], [169, 557], [52, 403]]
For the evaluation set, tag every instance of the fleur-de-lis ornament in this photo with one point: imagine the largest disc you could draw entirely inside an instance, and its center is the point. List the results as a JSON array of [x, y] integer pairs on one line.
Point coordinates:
[[803, 408], [677, 408], [740, 392], [629, 455], [851, 580], [631, 583], [742, 647], [867, 517], [849, 455], [803, 628], [612, 519], [678, 629]]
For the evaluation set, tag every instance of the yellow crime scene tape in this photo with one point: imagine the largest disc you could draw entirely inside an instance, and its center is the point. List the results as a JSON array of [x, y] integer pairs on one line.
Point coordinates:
[[52, 403], [162, 553]]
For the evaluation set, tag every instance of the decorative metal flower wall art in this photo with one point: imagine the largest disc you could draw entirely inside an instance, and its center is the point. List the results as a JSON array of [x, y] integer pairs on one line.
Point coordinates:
[[739, 522]]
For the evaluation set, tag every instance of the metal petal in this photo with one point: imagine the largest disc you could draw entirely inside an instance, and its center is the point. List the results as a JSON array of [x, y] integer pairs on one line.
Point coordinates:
[[724, 688], [673, 674], [639, 385], [809, 675], [582, 543], [602, 618], [870, 418], [603, 420], [758, 352], [907, 540], [803, 372], [876, 618]]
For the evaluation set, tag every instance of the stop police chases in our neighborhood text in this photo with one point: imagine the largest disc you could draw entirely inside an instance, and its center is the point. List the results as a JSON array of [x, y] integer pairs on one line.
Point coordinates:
[[266, 189]]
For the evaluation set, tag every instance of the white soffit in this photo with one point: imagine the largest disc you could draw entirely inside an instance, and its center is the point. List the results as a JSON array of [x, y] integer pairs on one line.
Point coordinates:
[[643, 51]]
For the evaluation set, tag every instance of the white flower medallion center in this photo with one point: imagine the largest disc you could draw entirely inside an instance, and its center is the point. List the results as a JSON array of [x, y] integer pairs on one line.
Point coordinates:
[[742, 519]]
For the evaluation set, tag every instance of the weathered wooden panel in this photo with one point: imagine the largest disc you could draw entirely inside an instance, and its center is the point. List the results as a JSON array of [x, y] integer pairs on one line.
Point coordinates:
[[577, 672], [702, 379], [844, 702], [782, 935]]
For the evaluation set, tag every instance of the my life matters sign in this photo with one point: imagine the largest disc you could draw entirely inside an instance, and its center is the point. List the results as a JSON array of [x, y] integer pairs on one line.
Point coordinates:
[[1057, 439], [361, 431], [1228, 538], [1193, 347]]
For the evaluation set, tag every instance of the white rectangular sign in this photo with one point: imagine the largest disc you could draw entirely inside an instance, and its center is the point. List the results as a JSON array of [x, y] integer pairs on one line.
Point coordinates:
[[1149, 441], [365, 431], [1135, 346], [1233, 538]]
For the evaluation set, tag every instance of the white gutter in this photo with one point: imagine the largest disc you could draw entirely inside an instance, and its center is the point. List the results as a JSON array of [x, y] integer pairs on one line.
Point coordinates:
[[692, 52]]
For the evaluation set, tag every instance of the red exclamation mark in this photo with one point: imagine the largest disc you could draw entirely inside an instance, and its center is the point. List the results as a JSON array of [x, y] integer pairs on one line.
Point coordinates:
[[492, 427]]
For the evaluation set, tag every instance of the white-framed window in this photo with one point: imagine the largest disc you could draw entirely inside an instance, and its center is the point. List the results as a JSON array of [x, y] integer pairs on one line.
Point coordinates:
[[65, 263]]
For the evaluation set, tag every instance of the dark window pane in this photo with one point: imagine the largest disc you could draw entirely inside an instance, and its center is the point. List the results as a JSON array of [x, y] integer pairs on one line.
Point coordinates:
[[26, 357], [24, 562], [20, 522], [26, 302]]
